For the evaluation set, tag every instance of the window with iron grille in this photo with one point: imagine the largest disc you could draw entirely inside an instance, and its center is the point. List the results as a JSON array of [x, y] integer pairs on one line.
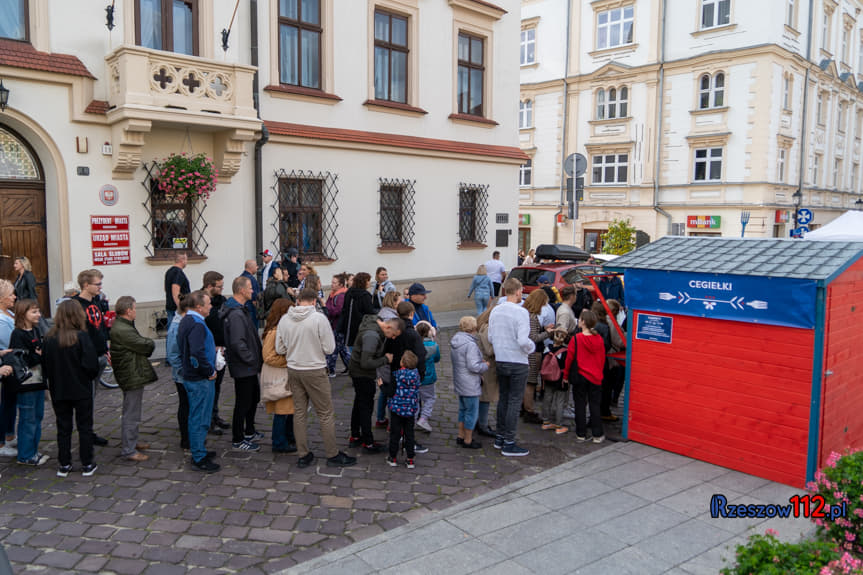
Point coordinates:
[[172, 224], [306, 209], [396, 212], [472, 213]]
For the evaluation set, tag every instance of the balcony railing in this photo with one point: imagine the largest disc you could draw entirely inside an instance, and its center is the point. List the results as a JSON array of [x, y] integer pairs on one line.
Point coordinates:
[[140, 77]]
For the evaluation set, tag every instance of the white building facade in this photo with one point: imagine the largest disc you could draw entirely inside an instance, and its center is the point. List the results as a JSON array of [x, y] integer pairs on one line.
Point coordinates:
[[362, 133], [688, 130]]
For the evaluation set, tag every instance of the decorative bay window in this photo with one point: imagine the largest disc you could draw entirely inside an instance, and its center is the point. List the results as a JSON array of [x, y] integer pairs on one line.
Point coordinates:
[[306, 208], [396, 213], [472, 214], [172, 224], [612, 103]]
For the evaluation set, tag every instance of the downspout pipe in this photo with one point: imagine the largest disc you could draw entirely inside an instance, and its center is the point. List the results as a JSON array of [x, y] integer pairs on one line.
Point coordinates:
[[565, 125], [798, 199], [265, 134], [657, 158]]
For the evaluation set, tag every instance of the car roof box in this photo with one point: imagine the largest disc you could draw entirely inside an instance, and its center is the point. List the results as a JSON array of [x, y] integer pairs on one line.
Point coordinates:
[[561, 252]]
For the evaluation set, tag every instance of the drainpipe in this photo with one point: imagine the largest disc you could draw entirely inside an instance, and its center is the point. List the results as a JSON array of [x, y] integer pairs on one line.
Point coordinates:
[[798, 195], [659, 104], [265, 135], [565, 125]]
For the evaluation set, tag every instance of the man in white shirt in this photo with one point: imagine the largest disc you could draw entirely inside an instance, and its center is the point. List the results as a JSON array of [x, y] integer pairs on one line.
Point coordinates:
[[508, 332], [495, 271]]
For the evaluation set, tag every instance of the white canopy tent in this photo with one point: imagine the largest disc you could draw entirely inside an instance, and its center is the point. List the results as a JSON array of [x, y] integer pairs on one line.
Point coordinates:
[[846, 228]]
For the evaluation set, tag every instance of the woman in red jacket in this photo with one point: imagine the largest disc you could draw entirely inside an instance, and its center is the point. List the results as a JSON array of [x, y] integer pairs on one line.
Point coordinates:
[[585, 360]]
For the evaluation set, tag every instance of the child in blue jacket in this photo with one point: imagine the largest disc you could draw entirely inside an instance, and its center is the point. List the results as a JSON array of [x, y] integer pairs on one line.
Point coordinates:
[[403, 406], [427, 387]]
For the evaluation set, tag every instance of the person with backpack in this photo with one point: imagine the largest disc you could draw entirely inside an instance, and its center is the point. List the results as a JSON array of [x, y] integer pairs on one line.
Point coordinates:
[[357, 304], [556, 386]]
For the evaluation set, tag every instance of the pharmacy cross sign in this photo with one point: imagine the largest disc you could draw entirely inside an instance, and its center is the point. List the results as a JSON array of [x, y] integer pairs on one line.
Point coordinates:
[[776, 301]]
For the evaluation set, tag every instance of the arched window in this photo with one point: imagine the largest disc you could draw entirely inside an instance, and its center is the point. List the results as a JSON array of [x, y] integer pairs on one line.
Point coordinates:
[[711, 91], [16, 161], [600, 104], [612, 103]]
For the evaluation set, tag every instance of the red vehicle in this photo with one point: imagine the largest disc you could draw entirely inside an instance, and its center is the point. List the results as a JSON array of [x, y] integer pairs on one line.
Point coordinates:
[[565, 264]]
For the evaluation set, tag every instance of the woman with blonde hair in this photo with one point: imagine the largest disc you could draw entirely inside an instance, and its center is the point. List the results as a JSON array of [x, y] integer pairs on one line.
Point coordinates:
[[275, 388], [25, 282], [481, 288], [538, 333], [8, 398]]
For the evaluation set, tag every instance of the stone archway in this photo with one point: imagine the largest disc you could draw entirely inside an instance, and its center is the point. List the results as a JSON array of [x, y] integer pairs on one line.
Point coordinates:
[[22, 211]]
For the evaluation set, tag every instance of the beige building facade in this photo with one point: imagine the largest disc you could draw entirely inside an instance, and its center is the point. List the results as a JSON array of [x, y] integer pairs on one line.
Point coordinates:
[[694, 115], [363, 133]]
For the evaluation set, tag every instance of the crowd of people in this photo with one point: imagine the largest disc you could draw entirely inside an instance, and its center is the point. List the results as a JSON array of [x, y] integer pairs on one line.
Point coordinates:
[[517, 352]]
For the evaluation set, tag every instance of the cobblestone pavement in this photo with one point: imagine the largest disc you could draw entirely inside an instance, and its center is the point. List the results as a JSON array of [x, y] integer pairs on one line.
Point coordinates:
[[260, 513]]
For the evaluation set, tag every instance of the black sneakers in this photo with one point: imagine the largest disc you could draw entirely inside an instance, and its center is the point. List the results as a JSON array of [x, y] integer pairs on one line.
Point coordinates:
[[206, 465], [306, 460], [341, 459]]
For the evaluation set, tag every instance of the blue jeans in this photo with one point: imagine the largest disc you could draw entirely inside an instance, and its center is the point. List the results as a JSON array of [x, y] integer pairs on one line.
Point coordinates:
[[468, 410], [382, 406], [31, 409], [201, 394], [482, 419], [341, 351], [283, 431], [481, 303], [511, 378], [171, 315]]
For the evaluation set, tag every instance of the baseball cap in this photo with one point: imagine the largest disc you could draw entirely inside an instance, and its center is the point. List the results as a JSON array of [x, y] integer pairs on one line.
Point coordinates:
[[544, 279], [418, 289], [267, 254]]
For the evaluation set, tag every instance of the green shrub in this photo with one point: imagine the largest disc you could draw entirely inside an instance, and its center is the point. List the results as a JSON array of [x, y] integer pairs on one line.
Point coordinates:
[[766, 555]]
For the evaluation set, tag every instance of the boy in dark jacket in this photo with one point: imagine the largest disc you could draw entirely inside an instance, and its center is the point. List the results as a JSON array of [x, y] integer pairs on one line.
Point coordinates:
[[367, 356], [403, 406], [198, 355], [245, 358], [132, 371]]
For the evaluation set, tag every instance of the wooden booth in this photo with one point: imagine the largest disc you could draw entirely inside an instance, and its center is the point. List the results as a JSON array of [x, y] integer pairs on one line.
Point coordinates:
[[746, 353]]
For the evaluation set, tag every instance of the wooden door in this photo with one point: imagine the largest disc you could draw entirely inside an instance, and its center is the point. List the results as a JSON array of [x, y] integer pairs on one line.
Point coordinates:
[[22, 233]]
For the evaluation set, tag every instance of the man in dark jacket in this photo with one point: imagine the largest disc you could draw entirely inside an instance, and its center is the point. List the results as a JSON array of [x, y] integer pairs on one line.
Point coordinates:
[[214, 283], [132, 371], [250, 272], [245, 358], [367, 356], [198, 355]]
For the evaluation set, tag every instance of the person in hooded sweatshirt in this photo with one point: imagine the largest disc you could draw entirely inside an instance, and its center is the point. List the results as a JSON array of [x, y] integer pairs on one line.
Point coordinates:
[[304, 337], [467, 369], [245, 357]]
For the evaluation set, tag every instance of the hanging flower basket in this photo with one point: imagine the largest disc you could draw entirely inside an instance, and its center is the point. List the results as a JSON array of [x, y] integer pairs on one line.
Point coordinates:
[[185, 177]]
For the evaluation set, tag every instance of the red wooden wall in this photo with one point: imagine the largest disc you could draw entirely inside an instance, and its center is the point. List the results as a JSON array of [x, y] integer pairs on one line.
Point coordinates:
[[842, 392], [731, 393]]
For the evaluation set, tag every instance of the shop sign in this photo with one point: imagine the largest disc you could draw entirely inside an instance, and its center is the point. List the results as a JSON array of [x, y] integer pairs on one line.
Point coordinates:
[[711, 222], [109, 237], [775, 301], [783, 216], [654, 328], [524, 219]]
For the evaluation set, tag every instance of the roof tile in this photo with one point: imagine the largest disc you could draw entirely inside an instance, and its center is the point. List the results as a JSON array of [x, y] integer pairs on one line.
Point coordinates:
[[17, 54], [743, 256]]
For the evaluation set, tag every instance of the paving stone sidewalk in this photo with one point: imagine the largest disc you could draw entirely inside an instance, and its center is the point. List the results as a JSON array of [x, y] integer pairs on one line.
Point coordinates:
[[260, 514], [627, 509]]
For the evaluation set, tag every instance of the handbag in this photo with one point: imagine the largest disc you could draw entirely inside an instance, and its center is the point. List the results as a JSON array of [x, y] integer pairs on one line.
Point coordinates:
[[274, 383]]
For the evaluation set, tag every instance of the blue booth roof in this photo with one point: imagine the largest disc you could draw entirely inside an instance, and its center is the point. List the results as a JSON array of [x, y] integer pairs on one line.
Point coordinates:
[[762, 257]]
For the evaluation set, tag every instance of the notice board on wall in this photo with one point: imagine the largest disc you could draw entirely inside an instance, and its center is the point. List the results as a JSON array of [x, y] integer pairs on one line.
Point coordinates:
[[109, 237]]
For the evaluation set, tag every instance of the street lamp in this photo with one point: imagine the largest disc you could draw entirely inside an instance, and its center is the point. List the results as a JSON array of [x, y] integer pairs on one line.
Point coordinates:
[[4, 96]]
